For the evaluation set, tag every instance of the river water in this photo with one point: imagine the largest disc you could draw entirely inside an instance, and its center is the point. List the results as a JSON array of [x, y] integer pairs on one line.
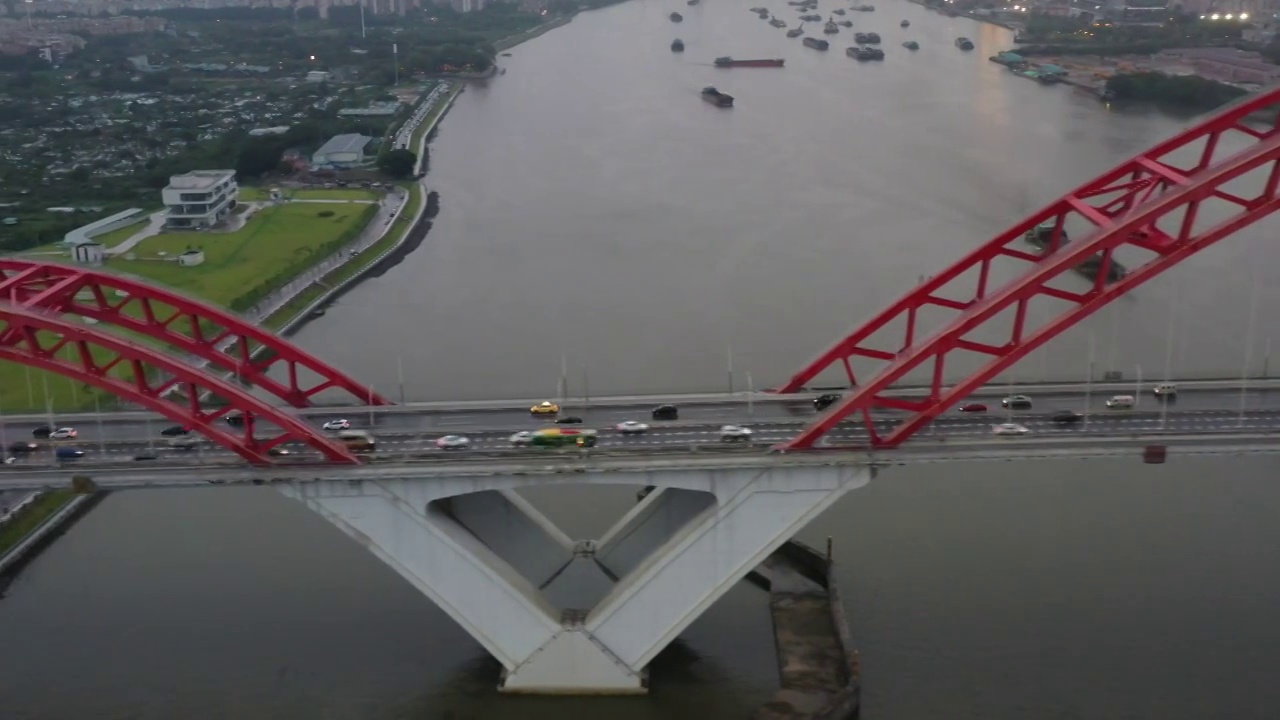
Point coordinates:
[[595, 208]]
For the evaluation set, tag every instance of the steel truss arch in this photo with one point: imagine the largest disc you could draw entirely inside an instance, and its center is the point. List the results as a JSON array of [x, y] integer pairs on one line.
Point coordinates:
[[188, 325], [1121, 208], [48, 342]]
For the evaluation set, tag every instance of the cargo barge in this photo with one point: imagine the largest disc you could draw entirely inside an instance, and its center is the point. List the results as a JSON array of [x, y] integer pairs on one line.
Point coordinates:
[[730, 62], [816, 44], [717, 98], [1041, 235], [964, 43]]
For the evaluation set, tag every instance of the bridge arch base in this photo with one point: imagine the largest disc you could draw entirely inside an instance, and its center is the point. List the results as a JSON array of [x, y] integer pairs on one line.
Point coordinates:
[[581, 617]]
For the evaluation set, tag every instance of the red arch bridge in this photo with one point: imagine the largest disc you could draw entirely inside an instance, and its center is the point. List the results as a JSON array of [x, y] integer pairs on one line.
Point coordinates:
[[1165, 204]]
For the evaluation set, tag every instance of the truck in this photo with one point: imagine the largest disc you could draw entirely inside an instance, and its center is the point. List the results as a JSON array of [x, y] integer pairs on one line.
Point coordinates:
[[558, 437]]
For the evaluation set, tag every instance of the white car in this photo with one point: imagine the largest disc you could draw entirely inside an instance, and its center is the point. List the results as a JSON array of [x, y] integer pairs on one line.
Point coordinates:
[[522, 438], [453, 442], [730, 433], [631, 427], [342, 424], [65, 433], [1009, 429]]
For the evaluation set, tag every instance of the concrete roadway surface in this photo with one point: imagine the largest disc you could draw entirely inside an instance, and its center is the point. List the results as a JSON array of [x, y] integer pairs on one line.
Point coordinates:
[[603, 417], [955, 430]]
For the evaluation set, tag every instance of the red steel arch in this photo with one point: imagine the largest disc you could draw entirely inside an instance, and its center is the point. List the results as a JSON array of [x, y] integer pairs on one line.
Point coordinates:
[[186, 324], [1122, 207], [138, 373]]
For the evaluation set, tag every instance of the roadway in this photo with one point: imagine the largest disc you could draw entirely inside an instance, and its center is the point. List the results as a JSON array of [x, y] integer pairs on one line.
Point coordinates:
[[767, 414], [955, 429]]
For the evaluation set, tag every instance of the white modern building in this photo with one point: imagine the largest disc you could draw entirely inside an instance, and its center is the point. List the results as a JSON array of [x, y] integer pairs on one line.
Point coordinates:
[[200, 199], [342, 151]]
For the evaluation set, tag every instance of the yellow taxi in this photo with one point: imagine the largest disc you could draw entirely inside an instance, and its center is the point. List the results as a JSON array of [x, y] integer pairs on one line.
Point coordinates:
[[546, 407]]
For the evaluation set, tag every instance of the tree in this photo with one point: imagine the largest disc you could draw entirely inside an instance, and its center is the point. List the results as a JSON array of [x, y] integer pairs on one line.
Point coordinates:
[[398, 163]]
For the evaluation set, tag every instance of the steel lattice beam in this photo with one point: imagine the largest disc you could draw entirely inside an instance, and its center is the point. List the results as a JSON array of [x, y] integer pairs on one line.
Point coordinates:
[[1122, 207], [140, 374], [185, 324]]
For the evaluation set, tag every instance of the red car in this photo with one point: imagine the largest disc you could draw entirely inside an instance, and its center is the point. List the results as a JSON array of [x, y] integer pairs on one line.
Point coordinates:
[[973, 407]]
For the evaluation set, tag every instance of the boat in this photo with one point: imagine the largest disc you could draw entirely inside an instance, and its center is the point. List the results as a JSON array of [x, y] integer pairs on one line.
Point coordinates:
[[677, 45], [758, 10], [905, 23], [676, 17], [964, 43], [864, 53], [845, 23], [811, 18], [863, 8], [831, 28], [838, 11], [866, 39], [911, 45], [1041, 235], [691, 3], [816, 44], [795, 32], [777, 23], [730, 62], [717, 98]]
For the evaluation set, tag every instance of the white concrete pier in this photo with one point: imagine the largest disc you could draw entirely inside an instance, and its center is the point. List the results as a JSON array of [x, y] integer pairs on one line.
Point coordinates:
[[584, 616]]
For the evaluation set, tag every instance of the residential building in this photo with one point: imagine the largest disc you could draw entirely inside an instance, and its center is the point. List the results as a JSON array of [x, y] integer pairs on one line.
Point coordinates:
[[200, 199], [342, 151]]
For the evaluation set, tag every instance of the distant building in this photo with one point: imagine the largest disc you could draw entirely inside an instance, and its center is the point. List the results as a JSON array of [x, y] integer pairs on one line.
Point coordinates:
[[342, 151], [318, 76], [199, 199], [378, 109]]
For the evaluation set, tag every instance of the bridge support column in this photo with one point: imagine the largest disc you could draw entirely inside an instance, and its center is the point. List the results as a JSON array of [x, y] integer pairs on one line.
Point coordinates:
[[584, 617]]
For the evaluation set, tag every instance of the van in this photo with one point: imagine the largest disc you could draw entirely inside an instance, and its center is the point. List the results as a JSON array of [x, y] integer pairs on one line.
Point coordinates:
[[357, 440], [1166, 390], [1121, 402]]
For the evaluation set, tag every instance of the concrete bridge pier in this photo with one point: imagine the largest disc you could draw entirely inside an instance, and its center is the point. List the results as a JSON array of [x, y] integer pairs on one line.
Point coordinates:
[[567, 616]]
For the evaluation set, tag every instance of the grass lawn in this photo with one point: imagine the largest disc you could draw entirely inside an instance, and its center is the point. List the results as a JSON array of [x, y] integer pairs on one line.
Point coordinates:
[[256, 194], [274, 239], [281, 239], [416, 197], [115, 237], [13, 532]]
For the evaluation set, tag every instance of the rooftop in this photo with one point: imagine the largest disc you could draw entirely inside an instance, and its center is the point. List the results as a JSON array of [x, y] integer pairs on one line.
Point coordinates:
[[344, 143], [198, 179]]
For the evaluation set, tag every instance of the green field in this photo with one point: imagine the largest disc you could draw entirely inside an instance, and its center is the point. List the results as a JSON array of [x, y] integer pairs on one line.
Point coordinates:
[[277, 244], [14, 531], [115, 237], [257, 194]]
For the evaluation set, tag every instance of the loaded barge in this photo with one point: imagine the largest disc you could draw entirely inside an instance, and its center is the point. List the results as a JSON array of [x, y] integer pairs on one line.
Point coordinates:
[[1041, 235], [730, 62], [717, 98]]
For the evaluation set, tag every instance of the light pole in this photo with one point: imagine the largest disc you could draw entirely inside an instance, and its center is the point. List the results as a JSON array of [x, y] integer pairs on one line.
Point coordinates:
[[1248, 343], [586, 391], [1137, 387], [751, 397], [97, 413], [729, 364], [1168, 357], [1088, 385], [370, 405], [399, 358]]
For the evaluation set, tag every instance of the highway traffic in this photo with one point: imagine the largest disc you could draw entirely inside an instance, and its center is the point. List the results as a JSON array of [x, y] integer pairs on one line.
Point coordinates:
[[954, 429]]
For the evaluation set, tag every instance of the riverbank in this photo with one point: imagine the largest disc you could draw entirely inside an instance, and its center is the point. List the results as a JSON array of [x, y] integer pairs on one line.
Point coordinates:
[[25, 536], [510, 42]]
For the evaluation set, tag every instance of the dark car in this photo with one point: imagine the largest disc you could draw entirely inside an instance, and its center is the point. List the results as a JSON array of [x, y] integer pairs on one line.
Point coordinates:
[[666, 412], [1067, 417], [235, 419], [23, 447], [822, 402], [43, 431], [1016, 402], [570, 420], [146, 455], [175, 430], [69, 453]]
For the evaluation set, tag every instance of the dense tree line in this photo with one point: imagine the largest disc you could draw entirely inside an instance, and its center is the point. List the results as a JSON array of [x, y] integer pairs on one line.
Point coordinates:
[[1190, 92]]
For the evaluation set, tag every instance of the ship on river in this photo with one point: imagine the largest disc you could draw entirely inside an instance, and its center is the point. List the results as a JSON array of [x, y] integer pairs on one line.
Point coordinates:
[[964, 43], [717, 98], [676, 17], [730, 62], [816, 44], [677, 45]]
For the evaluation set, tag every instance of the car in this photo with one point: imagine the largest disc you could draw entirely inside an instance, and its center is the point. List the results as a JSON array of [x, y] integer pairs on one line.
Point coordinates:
[[20, 447], [279, 451], [235, 419], [973, 407], [631, 427], [1067, 417], [42, 431], [69, 453], [1010, 429], [10, 460], [824, 401], [175, 431], [1016, 402], [340, 424], [666, 412], [521, 439], [570, 420], [184, 443], [65, 433], [453, 442], [546, 407], [730, 433], [1166, 391], [146, 455]]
